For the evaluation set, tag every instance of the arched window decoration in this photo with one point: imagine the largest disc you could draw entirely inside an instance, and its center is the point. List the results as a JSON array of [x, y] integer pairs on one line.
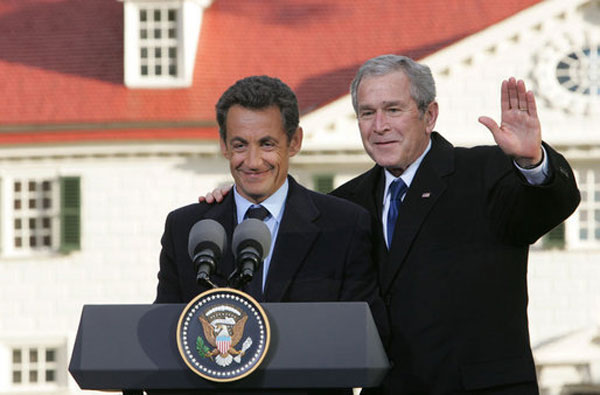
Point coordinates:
[[579, 71]]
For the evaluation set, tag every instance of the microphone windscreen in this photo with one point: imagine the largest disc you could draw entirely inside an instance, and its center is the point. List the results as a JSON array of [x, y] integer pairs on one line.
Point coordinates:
[[252, 229], [207, 231]]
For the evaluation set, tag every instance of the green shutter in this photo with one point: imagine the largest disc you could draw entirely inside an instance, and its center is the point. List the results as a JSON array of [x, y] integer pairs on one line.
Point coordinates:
[[323, 183], [555, 238], [70, 214]]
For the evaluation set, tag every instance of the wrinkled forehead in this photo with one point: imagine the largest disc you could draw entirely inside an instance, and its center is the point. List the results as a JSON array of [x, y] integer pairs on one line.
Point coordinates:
[[380, 88]]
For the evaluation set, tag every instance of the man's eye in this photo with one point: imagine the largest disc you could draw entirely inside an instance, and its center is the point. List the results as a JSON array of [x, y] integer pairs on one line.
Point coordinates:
[[366, 114]]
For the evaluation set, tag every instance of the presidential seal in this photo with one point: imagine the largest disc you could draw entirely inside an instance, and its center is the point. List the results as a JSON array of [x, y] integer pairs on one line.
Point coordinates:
[[223, 334]]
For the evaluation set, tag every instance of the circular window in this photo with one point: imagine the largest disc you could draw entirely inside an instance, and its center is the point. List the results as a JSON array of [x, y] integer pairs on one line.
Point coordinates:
[[579, 71]]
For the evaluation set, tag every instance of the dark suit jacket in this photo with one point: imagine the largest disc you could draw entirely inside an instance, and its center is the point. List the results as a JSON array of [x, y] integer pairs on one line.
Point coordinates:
[[322, 252], [455, 279]]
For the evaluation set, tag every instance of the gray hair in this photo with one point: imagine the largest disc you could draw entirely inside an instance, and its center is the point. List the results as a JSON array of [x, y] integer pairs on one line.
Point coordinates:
[[422, 85]]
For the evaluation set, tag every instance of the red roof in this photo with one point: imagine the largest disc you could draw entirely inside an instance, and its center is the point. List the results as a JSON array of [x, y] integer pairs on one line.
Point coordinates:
[[61, 61]]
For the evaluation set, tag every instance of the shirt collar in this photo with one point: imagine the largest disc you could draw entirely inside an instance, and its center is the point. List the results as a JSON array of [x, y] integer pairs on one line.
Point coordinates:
[[408, 174], [274, 203]]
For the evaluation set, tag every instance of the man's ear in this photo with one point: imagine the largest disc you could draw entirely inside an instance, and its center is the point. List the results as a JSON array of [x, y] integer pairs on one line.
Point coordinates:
[[430, 116], [224, 149], [296, 142]]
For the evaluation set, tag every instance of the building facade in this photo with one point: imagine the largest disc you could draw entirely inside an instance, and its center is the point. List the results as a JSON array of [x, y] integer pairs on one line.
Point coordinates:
[[93, 158]]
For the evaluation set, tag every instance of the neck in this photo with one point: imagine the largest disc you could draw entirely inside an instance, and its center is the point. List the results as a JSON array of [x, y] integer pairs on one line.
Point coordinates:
[[397, 172]]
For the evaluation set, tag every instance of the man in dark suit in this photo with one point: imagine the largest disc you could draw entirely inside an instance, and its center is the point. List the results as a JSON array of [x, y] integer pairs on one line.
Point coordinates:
[[451, 231], [321, 244]]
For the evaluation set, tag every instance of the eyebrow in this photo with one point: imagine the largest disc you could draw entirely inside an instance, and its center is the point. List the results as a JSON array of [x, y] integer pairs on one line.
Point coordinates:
[[267, 139], [385, 104], [238, 139]]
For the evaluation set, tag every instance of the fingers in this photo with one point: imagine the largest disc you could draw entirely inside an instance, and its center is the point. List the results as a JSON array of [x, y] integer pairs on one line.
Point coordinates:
[[504, 97], [216, 196], [492, 127], [515, 95], [531, 105], [210, 198], [489, 123]]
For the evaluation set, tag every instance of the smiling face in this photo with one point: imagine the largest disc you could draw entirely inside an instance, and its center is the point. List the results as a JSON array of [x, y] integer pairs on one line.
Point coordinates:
[[393, 131], [258, 150]]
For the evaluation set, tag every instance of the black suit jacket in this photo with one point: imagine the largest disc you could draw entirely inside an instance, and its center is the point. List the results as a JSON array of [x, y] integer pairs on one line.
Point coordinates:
[[322, 252], [455, 279]]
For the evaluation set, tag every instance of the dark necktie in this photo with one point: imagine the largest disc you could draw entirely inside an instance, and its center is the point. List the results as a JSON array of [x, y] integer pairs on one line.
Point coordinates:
[[397, 189], [258, 212], [254, 288]]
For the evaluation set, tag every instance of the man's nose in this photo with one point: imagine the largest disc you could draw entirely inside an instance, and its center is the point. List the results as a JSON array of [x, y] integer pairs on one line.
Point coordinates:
[[253, 159], [381, 122]]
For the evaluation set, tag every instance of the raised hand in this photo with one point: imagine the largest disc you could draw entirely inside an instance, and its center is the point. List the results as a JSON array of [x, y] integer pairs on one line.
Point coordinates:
[[519, 134]]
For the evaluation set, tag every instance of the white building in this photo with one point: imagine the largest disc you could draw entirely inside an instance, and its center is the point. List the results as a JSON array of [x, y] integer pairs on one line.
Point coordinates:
[[107, 124]]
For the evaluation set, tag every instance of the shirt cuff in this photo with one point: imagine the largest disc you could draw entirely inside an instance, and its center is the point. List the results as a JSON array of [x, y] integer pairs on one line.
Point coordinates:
[[539, 174]]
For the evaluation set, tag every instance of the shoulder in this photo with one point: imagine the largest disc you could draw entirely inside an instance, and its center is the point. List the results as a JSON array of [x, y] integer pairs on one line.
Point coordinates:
[[332, 206], [183, 218], [194, 210], [365, 181], [336, 203]]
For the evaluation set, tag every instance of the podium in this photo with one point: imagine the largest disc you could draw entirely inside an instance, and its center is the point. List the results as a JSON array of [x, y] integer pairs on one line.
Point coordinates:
[[313, 345]]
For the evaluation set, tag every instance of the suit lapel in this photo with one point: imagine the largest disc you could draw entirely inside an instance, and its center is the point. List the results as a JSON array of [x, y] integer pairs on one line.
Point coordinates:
[[296, 235], [425, 190], [369, 194]]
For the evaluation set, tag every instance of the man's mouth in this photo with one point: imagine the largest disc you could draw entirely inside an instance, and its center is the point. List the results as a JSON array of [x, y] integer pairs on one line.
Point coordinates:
[[384, 143], [254, 173]]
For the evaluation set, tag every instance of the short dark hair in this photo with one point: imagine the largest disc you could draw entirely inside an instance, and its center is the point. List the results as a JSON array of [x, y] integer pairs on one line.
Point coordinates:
[[257, 93]]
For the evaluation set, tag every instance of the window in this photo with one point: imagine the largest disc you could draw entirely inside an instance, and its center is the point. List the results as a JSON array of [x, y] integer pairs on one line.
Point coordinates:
[[323, 183], [35, 214], [579, 71], [41, 215], [161, 41], [555, 239], [158, 42], [34, 366], [587, 215]]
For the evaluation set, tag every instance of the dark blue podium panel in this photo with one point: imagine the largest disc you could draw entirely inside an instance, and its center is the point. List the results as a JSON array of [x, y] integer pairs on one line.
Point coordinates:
[[313, 345]]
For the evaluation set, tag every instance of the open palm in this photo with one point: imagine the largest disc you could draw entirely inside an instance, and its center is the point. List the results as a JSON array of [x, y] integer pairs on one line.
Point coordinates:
[[519, 134]]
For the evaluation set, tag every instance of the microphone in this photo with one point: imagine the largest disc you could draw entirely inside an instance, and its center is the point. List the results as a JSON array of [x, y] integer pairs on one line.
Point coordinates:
[[206, 243], [251, 243]]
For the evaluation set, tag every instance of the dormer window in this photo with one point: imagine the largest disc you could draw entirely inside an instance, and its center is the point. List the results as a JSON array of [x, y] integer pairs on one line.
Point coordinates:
[[158, 42], [161, 40]]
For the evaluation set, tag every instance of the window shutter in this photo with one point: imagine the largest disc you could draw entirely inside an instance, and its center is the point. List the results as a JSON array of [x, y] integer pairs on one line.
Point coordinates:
[[555, 238], [70, 214], [323, 183]]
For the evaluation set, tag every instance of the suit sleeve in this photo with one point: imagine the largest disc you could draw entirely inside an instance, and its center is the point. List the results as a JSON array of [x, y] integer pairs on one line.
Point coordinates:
[[168, 290], [360, 277], [524, 212]]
